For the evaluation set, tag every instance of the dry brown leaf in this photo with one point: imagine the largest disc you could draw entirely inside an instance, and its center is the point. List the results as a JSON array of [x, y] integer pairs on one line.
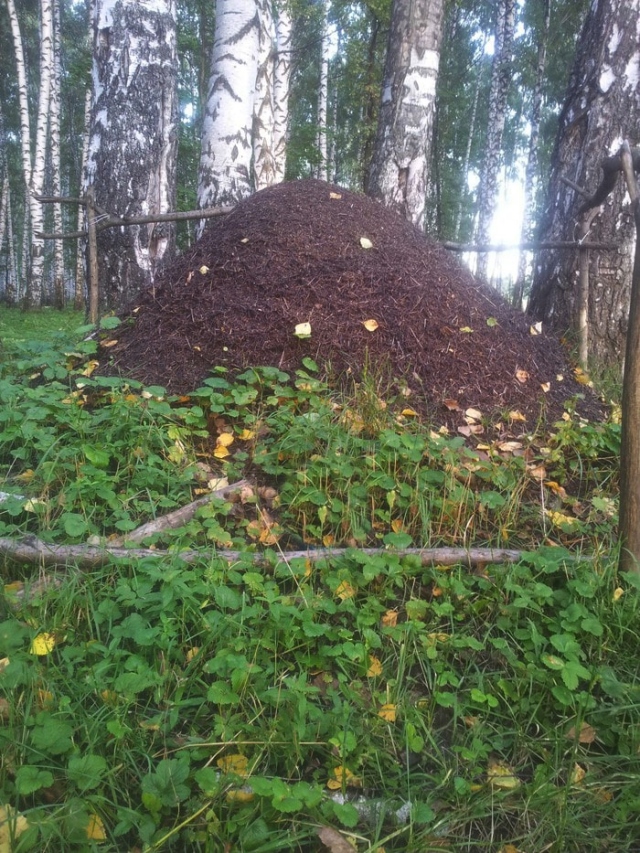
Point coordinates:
[[586, 733], [474, 429], [521, 375], [390, 619], [452, 405], [515, 415], [334, 841], [472, 415], [335, 195]]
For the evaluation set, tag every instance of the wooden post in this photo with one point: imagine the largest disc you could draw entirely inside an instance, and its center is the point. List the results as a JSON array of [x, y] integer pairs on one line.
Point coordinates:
[[629, 524], [92, 265]]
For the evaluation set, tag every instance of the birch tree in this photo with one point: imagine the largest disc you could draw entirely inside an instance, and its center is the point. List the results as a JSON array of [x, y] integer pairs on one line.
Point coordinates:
[[400, 166], [225, 172], [281, 88], [56, 180], [601, 109], [499, 90], [323, 99], [132, 150], [263, 113], [34, 166]]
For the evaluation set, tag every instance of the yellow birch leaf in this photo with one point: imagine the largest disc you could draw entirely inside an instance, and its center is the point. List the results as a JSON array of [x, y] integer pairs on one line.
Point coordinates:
[[618, 593], [224, 439], [388, 713], [328, 540], [91, 366], [302, 330], [247, 435], [234, 763], [95, 828], [390, 619], [108, 344], [397, 526], [109, 697], [409, 413], [335, 195], [12, 825], [191, 653], [345, 590], [578, 774], [42, 644], [466, 329], [535, 329], [366, 243], [221, 452], [500, 775], [375, 667], [521, 375], [343, 776], [204, 269], [546, 387], [370, 325], [240, 795], [515, 415], [472, 415]]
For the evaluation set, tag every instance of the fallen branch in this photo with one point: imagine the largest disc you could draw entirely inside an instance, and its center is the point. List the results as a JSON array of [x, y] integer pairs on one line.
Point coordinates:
[[34, 551], [178, 517], [529, 246]]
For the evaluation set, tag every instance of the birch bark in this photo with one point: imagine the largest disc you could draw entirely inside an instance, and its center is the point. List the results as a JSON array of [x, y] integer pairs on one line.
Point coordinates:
[[323, 100], [601, 109], [56, 182], [225, 173], [400, 166], [263, 117], [132, 150], [281, 88]]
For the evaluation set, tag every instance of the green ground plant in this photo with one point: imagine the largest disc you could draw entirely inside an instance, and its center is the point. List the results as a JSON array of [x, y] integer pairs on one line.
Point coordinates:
[[224, 704]]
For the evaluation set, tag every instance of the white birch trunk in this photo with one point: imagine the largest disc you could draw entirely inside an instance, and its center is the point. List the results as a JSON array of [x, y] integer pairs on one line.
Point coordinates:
[[80, 277], [225, 174], [263, 116], [132, 150], [323, 100], [281, 88], [33, 168], [56, 183], [13, 284], [4, 201], [400, 166]]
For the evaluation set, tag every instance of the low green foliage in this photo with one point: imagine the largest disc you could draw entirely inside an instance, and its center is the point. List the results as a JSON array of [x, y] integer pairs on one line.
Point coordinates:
[[215, 705]]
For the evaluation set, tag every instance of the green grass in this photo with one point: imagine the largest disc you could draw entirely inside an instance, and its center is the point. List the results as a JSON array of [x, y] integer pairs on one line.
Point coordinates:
[[245, 704], [17, 326]]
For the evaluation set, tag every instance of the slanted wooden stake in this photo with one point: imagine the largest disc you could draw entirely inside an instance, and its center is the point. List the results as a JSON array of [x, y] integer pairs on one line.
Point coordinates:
[[629, 525]]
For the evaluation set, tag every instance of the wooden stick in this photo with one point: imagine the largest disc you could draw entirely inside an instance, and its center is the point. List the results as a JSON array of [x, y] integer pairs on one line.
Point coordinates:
[[34, 551], [177, 517]]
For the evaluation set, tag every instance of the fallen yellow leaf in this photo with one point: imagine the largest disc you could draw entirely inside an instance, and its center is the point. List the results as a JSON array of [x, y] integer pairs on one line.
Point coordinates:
[[466, 329], [343, 776], [521, 375], [204, 270], [366, 243], [578, 775], [388, 713], [221, 452], [302, 330], [108, 344], [12, 825], [500, 775], [335, 195], [234, 763], [95, 828], [546, 387], [375, 667], [515, 415], [370, 325], [224, 439], [345, 590], [409, 413], [618, 593], [390, 619], [42, 644], [535, 329], [240, 795]]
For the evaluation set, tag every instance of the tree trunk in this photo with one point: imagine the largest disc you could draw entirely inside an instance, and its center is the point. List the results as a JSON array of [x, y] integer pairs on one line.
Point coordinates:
[[498, 92], [79, 299], [56, 183], [132, 152], [225, 174], [400, 166], [264, 169], [281, 88], [323, 100], [602, 108], [531, 170]]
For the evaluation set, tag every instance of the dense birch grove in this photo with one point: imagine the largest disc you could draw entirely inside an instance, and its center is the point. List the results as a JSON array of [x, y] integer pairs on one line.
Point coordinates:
[[444, 110]]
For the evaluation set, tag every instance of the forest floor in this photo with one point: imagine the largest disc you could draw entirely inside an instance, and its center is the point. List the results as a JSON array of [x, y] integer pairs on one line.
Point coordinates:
[[376, 294]]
